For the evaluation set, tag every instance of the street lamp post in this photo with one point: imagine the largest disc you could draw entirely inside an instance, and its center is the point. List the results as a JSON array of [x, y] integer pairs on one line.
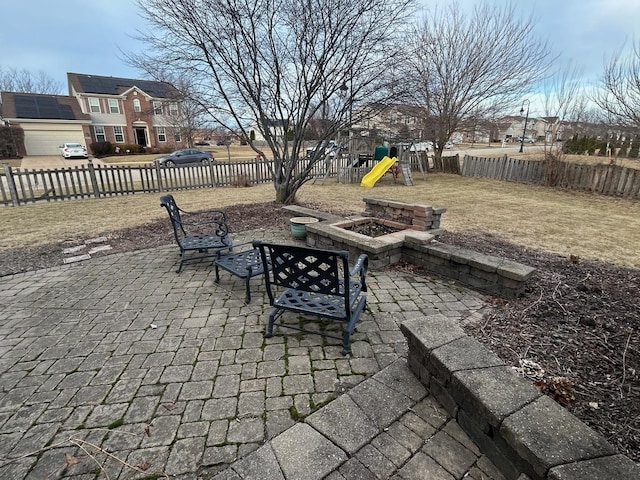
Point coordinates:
[[526, 119]]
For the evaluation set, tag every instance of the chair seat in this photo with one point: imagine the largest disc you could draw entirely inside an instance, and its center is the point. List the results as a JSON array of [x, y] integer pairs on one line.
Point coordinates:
[[325, 305], [201, 241], [241, 264]]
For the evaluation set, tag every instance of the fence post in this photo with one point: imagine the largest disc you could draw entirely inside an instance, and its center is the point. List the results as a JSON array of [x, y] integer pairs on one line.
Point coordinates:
[[258, 170], [158, 176], [94, 180], [11, 183], [212, 174]]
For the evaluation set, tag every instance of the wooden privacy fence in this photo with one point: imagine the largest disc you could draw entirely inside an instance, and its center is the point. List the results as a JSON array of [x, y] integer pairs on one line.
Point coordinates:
[[603, 179]]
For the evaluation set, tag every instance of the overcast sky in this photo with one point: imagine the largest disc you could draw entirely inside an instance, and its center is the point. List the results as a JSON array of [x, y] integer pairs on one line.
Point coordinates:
[[86, 36]]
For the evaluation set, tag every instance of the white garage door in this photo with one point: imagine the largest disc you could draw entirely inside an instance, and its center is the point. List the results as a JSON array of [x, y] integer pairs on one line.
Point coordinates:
[[44, 139]]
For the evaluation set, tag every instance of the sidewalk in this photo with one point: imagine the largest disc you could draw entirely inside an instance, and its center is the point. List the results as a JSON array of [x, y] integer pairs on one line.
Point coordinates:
[[171, 373], [56, 161]]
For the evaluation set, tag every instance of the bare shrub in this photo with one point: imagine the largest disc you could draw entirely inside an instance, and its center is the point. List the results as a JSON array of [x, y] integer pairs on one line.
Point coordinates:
[[242, 180]]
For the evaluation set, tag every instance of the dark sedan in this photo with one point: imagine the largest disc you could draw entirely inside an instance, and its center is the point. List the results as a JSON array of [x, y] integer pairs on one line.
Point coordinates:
[[185, 156]]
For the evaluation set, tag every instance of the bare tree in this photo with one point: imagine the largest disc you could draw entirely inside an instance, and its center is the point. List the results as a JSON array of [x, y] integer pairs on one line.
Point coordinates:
[[469, 67], [267, 63], [619, 94], [565, 104], [25, 81]]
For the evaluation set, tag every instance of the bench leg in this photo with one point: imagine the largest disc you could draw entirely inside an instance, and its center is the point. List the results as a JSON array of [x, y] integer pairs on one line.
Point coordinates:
[[355, 315], [247, 297], [347, 337], [272, 319]]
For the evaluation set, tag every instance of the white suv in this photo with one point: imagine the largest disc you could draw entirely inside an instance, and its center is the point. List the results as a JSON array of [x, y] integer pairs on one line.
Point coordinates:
[[68, 150]]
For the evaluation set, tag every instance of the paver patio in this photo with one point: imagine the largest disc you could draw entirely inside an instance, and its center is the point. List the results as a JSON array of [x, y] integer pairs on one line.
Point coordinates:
[[171, 373]]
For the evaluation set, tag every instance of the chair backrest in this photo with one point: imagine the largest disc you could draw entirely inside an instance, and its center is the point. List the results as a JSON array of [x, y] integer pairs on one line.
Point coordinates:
[[305, 268], [168, 202]]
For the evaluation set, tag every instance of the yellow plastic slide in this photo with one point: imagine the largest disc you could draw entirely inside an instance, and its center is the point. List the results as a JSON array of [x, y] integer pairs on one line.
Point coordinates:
[[379, 169]]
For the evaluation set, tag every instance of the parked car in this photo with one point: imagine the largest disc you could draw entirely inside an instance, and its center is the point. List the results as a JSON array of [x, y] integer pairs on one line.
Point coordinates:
[[72, 149], [185, 156], [220, 143], [527, 140], [202, 143]]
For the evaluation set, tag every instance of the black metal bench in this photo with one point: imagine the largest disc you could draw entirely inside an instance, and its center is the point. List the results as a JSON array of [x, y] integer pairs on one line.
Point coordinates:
[[202, 235], [315, 282], [244, 264]]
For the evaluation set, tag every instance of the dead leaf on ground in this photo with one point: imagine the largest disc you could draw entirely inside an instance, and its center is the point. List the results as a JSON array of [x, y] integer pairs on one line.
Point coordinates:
[[71, 460]]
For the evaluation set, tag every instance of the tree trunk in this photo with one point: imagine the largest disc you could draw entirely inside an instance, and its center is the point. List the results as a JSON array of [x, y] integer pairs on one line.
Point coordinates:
[[284, 195]]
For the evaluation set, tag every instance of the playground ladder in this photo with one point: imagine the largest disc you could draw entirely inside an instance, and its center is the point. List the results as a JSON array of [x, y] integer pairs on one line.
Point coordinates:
[[406, 173]]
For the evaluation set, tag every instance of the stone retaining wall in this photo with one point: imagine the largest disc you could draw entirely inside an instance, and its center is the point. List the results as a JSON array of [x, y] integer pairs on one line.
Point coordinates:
[[525, 433], [487, 273]]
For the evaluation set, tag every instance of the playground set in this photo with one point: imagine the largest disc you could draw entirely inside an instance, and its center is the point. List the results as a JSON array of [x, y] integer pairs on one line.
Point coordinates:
[[394, 159]]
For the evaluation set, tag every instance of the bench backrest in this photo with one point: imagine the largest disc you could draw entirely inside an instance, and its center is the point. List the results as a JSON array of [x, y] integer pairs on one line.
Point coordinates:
[[168, 202], [208, 223], [305, 268]]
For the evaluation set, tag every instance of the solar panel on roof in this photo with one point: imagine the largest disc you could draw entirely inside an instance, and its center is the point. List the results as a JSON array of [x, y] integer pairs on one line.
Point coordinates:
[[111, 85], [33, 106]]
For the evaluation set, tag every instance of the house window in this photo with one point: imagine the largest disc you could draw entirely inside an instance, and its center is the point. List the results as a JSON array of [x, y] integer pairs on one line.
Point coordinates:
[[173, 109], [100, 135], [176, 136], [136, 105], [118, 134], [94, 105], [113, 106], [162, 136], [157, 108]]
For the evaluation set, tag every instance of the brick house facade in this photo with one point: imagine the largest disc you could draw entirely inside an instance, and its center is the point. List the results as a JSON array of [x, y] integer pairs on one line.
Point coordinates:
[[127, 111]]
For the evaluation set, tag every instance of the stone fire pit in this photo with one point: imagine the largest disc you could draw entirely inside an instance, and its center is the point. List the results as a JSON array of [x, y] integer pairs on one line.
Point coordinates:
[[414, 220], [415, 242]]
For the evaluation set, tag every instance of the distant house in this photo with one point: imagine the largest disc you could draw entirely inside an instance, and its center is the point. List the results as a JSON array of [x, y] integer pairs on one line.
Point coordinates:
[[46, 120], [129, 111]]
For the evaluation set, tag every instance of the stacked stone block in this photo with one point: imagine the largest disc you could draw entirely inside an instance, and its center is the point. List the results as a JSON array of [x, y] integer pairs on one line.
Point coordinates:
[[417, 216], [486, 273], [523, 432]]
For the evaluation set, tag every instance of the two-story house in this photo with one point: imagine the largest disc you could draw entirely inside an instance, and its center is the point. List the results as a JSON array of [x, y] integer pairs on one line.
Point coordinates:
[[122, 111], [129, 111]]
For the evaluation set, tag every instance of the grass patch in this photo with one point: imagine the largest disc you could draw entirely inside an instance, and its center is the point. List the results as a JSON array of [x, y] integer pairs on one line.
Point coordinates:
[[116, 424], [582, 224], [295, 415]]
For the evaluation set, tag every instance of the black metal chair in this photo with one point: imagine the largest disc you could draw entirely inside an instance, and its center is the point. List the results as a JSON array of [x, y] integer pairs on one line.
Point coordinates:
[[203, 233], [316, 282]]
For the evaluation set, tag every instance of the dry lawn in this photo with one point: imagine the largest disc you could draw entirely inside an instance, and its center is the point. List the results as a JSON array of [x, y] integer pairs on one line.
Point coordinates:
[[588, 226]]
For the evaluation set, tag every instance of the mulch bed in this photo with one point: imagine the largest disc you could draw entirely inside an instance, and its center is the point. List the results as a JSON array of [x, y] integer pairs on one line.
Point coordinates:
[[575, 332]]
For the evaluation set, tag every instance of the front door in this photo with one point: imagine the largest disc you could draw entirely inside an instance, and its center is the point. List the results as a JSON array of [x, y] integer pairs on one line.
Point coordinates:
[[141, 136]]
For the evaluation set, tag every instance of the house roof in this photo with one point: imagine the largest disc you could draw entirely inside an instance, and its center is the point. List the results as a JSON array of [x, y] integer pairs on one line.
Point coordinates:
[[40, 107], [81, 83]]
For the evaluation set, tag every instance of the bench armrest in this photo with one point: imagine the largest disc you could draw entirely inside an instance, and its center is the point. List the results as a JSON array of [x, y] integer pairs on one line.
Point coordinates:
[[361, 267], [204, 212]]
